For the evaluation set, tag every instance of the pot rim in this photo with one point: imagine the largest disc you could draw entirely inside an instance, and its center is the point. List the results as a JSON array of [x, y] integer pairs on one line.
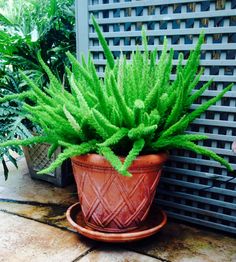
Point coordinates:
[[142, 161]]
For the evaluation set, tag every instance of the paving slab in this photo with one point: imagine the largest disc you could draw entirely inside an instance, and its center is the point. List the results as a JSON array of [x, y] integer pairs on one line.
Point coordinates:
[[54, 215], [24, 240], [182, 243], [115, 255], [20, 186]]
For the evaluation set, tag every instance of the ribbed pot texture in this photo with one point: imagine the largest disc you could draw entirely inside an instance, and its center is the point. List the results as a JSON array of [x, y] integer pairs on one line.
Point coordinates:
[[111, 202]]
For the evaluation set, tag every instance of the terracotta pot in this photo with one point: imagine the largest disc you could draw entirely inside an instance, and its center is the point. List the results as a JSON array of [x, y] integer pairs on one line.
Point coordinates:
[[111, 202]]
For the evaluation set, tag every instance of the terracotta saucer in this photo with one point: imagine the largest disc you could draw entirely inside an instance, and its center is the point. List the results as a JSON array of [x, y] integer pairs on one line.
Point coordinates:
[[155, 221]]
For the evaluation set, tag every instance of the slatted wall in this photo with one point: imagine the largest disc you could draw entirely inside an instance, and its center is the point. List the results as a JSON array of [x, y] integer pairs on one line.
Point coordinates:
[[194, 188]]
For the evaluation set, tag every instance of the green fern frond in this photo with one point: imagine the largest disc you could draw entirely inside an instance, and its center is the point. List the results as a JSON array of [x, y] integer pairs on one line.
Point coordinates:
[[195, 81], [26, 142], [154, 117], [105, 123], [138, 110], [98, 89], [20, 96], [67, 153], [203, 151], [103, 42], [74, 124], [124, 109], [113, 160], [115, 139], [182, 124], [52, 150], [56, 83], [37, 91], [134, 152], [193, 115], [80, 71], [178, 106], [168, 142], [197, 94], [141, 131], [80, 98]]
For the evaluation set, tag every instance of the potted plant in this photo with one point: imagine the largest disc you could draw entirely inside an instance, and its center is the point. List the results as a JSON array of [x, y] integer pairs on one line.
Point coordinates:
[[118, 130]]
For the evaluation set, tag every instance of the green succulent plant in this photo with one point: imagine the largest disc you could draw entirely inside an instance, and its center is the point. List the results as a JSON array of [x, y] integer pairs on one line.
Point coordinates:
[[135, 109]]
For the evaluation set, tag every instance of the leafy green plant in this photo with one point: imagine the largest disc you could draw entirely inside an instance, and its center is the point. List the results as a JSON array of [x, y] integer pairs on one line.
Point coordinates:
[[11, 125], [136, 109], [12, 121], [25, 28], [28, 26]]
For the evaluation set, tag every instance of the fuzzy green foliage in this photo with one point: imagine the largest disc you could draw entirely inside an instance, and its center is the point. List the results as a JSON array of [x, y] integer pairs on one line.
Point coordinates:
[[135, 109]]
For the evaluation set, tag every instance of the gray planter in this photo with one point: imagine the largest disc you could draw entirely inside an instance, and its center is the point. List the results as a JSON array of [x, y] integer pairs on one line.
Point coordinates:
[[36, 158]]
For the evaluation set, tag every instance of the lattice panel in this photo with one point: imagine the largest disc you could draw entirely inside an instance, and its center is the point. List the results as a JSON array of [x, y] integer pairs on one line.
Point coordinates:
[[39, 159], [193, 188]]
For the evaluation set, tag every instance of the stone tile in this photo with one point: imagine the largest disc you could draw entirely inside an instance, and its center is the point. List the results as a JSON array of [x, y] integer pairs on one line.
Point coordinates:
[[23, 240], [20, 186], [115, 255], [182, 243], [52, 215]]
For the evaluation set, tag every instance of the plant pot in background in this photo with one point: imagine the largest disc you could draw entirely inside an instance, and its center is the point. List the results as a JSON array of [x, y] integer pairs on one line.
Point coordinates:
[[37, 159], [111, 202]]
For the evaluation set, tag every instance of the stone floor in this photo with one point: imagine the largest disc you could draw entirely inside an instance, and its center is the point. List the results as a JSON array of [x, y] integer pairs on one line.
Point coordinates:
[[33, 228]]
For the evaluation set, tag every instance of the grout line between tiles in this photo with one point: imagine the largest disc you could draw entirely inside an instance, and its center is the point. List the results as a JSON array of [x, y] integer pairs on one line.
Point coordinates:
[[32, 203], [84, 254], [146, 254], [33, 219]]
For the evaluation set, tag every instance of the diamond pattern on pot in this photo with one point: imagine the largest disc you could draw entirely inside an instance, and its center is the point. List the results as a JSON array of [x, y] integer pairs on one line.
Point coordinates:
[[114, 198]]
